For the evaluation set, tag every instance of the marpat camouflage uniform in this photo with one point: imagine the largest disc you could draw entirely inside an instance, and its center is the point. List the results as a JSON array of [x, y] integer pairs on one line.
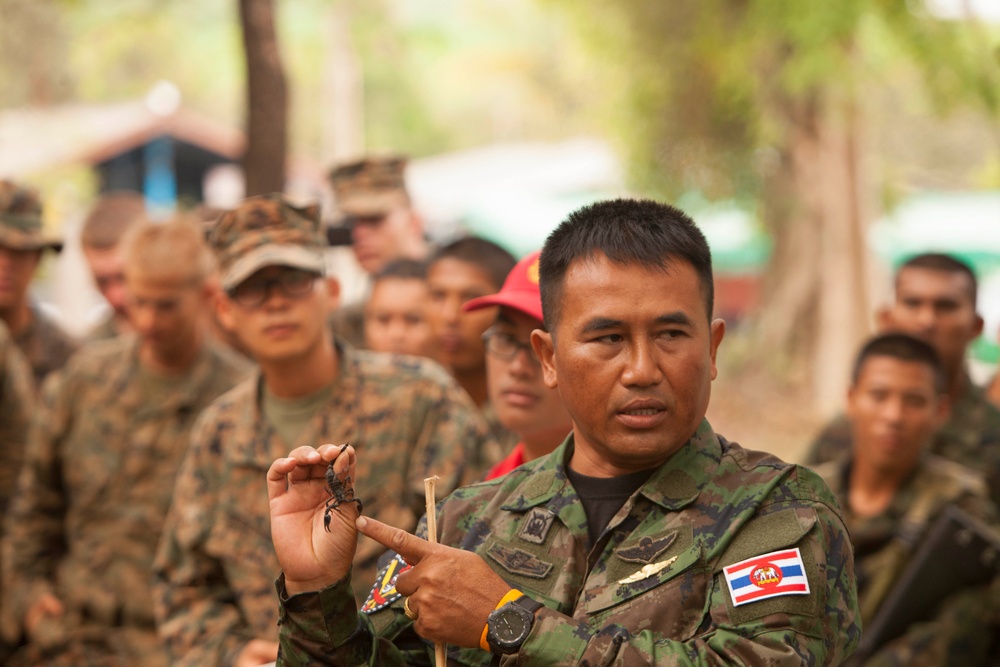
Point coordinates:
[[45, 345], [970, 437], [651, 591], [17, 396], [16, 407], [91, 501], [408, 420], [883, 545]]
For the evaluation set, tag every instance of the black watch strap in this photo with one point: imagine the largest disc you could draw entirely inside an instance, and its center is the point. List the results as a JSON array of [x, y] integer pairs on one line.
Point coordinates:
[[528, 603]]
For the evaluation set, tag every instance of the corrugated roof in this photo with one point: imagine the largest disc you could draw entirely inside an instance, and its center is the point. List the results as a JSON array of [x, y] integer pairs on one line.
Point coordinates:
[[36, 139]]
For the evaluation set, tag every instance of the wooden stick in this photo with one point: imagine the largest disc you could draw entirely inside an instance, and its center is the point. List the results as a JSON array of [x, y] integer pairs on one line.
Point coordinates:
[[440, 654]]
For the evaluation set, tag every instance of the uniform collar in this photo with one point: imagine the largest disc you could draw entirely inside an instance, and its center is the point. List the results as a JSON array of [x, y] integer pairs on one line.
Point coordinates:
[[675, 484]]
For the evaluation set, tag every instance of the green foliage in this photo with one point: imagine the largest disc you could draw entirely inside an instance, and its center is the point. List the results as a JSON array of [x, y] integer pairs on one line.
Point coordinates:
[[699, 79]]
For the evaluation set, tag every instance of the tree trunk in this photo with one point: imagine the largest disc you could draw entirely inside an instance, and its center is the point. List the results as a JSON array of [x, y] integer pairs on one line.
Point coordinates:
[[815, 305], [343, 91], [267, 100]]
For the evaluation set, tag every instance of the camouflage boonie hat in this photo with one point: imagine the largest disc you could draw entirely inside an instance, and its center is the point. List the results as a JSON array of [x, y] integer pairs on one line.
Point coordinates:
[[372, 186], [266, 231], [21, 219]]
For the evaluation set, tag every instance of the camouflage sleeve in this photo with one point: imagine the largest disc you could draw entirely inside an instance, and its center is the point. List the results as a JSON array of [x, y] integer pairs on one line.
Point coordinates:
[[450, 441], [823, 632], [196, 614], [830, 443], [34, 532]]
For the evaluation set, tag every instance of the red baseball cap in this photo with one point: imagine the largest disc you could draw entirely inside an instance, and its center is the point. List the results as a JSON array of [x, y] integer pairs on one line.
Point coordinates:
[[520, 290]]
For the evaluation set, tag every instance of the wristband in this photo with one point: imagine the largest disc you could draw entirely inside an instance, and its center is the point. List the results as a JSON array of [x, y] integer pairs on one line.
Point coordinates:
[[512, 594]]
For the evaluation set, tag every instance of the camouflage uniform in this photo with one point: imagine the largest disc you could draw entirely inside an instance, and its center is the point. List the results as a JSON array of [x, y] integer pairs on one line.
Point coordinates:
[[884, 543], [91, 500], [971, 437], [216, 564], [651, 591], [46, 346], [16, 407]]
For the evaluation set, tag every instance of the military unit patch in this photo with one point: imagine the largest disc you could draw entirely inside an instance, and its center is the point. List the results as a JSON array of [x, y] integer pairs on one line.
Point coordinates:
[[384, 591], [767, 576], [535, 526], [519, 562]]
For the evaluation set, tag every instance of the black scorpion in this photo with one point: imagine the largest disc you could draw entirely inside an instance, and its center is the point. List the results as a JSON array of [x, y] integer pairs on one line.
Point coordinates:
[[340, 492]]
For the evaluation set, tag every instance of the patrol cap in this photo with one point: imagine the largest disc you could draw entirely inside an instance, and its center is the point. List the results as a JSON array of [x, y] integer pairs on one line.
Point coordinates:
[[520, 290], [21, 219], [370, 186], [266, 231]]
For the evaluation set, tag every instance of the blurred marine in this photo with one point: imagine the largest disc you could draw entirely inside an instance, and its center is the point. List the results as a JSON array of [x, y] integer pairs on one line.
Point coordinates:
[[103, 452]]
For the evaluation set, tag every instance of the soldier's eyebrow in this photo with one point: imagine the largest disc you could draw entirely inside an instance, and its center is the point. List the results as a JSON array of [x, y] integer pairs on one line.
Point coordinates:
[[600, 324], [676, 317]]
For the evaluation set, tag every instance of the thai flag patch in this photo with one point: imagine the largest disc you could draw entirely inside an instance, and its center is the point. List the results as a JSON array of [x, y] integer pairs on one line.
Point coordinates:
[[767, 576]]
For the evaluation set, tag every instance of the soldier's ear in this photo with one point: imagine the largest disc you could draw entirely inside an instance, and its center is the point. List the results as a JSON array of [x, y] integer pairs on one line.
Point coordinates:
[[224, 311], [544, 346]]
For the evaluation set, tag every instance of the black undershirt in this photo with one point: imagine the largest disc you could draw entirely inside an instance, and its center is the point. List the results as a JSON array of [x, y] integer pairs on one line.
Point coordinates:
[[602, 497]]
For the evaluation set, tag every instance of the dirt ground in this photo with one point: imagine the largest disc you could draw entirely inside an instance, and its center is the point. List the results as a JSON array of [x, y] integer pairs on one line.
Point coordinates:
[[760, 413]]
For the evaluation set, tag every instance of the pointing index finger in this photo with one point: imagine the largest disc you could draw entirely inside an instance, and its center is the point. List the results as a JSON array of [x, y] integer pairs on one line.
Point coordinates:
[[412, 548]]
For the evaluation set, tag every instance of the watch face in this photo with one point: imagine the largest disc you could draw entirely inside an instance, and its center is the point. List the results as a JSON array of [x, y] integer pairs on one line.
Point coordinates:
[[510, 626]]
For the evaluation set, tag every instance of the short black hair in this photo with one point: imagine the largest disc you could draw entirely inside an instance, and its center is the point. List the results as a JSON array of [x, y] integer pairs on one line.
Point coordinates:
[[403, 269], [905, 348], [937, 261], [493, 260], [627, 231]]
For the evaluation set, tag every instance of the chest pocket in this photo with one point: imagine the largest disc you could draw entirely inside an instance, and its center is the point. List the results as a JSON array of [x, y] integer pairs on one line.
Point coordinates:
[[668, 595]]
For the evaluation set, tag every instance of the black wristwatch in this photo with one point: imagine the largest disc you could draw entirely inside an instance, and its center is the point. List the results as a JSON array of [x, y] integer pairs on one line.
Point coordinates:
[[508, 626]]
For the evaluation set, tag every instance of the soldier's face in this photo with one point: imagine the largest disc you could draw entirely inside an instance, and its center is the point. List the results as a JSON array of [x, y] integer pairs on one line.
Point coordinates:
[[894, 412], [285, 326], [633, 356], [517, 390], [377, 240], [108, 268], [17, 267], [165, 311], [396, 317], [458, 335], [936, 306]]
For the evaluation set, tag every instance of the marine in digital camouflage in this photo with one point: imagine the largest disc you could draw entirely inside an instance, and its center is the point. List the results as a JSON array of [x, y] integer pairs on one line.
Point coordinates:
[[970, 437], [651, 591], [960, 633], [102, 457], [408, 420]]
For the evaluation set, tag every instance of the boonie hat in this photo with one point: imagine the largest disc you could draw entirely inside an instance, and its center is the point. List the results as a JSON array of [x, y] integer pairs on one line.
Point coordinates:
[[266, 231], [370, 186], [21, 219], [520, 290]]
